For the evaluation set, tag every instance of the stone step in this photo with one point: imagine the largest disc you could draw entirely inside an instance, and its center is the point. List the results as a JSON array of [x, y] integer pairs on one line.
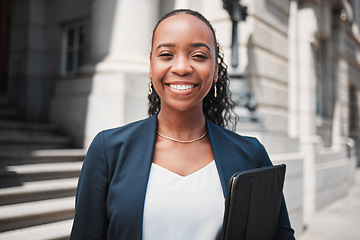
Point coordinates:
[[26, 128], [10, 175], [8, 143], [38, 190], [8, 113], [7, 110], [4, 101], [52, 231], [8, 158], [35, 213], [328, 155]]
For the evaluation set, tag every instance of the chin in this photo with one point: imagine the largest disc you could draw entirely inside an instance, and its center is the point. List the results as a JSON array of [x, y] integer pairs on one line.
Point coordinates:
[[187, 109]]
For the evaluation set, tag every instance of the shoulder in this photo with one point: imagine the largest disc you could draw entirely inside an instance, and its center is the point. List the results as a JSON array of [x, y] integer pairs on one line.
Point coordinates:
[[232, 137], [113, 145], [232, 143], [127, 129], [128, 132], [115, 138]]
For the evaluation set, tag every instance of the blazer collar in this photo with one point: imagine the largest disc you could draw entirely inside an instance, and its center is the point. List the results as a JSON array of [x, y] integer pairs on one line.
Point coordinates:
[[218, 142], [217, 138], [221, 144], [146, 138]]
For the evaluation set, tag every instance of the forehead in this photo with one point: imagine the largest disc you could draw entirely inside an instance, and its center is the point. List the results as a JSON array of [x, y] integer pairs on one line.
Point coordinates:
[[183, 27]]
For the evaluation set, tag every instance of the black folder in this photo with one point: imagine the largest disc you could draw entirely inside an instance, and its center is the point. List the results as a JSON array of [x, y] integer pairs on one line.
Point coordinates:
[[253, 204]]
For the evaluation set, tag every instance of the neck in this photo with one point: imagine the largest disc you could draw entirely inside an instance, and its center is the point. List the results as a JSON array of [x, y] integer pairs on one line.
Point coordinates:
[[181, 125]]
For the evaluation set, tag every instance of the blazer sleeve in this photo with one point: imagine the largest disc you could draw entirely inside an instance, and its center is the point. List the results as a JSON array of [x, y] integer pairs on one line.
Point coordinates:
[[90, 220], [285, 232]]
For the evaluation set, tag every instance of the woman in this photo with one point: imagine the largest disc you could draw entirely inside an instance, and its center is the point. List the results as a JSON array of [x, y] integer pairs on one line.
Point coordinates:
[[166, 177]]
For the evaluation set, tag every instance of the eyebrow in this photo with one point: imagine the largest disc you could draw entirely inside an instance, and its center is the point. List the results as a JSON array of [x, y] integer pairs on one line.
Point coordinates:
[[200, 45], [195, 45], [165, 45]]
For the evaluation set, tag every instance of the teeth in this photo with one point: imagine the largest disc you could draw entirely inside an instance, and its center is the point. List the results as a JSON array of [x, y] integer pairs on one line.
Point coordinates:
[[181, 86]]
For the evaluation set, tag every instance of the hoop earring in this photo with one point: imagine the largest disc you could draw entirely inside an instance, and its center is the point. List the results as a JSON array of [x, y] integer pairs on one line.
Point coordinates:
[[215, 90], [150, 88]]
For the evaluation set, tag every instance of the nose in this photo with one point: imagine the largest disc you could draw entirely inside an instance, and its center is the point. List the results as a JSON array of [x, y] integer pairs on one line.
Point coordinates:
[[181, 66]]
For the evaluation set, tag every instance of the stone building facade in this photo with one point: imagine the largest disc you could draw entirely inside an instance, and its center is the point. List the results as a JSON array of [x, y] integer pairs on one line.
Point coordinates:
[[83, 65]]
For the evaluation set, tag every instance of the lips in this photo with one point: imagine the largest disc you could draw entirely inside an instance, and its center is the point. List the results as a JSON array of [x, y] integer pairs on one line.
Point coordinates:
[[181, 87]]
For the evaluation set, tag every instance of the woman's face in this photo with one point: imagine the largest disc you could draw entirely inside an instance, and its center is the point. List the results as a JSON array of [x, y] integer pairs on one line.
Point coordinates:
[[183, 62]]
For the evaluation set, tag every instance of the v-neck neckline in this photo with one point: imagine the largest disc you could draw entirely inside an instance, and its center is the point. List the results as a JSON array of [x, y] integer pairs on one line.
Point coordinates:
[[186, 176]]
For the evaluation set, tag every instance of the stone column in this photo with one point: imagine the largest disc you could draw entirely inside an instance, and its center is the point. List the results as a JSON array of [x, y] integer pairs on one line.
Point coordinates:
[[182, 4], [121, 30], [111, 89], [307, 103], [119, 83], [26, 56], [293, 72], [340, 127], [356, 10]]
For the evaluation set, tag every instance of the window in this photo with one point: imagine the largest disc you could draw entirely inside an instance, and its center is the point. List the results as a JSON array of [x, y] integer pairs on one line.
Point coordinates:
[[72, 49], [317, 56], [325, 82], [353, 110], [355, 4]]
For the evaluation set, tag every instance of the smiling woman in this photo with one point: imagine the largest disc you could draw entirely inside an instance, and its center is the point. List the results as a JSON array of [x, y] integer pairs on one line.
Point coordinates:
[[217, 105], [183, 64], [174, 187]]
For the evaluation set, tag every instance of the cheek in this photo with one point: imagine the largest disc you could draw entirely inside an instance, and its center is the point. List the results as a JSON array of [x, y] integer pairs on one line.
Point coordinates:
[[207, 74], [157, 74], [157, 70]]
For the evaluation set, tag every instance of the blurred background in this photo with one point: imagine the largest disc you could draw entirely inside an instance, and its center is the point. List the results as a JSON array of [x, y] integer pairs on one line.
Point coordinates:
[[69, 69]]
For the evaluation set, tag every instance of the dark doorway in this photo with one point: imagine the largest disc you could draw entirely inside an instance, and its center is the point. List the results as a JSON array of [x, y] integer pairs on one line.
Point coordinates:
[[4, 42]]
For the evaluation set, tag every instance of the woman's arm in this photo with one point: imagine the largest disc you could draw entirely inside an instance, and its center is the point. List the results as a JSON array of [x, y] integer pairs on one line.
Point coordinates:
[[285, 232], [90, 220]]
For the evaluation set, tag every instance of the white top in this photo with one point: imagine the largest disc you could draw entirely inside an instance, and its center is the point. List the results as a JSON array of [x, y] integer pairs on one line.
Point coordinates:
[[183, 208]]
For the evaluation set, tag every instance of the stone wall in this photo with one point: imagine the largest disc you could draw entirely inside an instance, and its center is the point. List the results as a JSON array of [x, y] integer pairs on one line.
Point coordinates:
[[293, 187], [111, 89], [263, 59], [35, 48], [300, 60]]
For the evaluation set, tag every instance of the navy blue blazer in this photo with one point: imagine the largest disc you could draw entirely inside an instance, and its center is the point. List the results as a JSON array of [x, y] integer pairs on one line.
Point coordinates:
[[111, 190]]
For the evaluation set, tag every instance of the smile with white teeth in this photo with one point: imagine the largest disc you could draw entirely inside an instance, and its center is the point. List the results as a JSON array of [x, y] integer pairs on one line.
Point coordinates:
[[181, 87]]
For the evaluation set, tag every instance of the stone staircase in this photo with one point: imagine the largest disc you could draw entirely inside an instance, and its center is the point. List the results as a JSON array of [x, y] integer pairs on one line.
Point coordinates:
[[38, 178]]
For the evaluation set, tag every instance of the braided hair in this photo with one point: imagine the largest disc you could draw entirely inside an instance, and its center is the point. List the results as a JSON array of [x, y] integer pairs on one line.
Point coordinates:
[[219, 110]]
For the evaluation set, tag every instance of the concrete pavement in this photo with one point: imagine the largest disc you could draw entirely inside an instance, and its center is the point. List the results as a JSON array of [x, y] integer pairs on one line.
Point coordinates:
[[339, 220]]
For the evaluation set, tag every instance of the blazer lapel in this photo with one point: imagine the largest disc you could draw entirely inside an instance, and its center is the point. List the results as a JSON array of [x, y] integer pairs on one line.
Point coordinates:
[[144, 148], [139, 152], [226, 153]]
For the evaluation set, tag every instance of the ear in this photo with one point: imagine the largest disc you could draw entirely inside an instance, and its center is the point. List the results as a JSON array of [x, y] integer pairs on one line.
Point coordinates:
[[150, 72], [216, 75], [150, 67]]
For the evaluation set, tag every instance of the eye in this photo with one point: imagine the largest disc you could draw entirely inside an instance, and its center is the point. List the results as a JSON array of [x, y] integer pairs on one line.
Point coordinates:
[[165, 54], [200, 56]]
